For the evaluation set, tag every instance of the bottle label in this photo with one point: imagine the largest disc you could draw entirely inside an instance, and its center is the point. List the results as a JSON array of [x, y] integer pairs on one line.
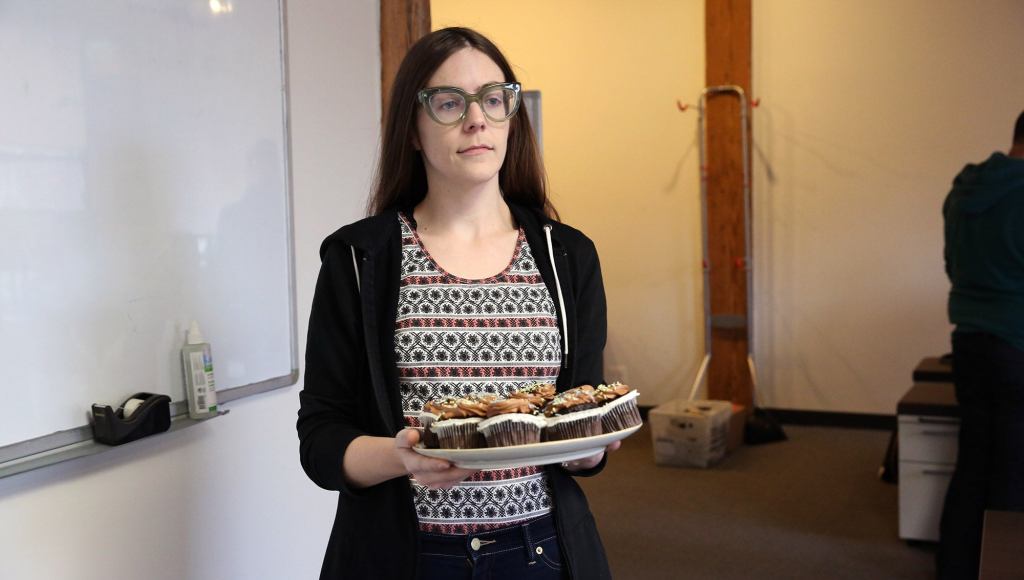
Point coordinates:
[[211, 390], [201, 368]]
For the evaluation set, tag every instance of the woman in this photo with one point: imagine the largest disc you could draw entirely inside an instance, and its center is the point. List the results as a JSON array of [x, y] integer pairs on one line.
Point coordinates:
[[423, 300]]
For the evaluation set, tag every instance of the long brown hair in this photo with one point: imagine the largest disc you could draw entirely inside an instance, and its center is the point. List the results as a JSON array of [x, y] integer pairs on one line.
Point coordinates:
[[401, 178]]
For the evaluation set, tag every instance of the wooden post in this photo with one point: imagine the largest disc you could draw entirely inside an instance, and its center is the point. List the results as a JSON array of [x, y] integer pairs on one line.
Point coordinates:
[[728, 38], [402, 22]]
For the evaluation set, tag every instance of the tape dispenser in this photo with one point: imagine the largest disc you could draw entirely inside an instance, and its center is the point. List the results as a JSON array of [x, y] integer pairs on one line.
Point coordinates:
[[141, 415]]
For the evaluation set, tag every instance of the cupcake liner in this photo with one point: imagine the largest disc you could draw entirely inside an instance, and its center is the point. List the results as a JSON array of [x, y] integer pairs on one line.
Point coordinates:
[[620, 413], [574, 425], [512, 429], [458, 433], [429, 438]]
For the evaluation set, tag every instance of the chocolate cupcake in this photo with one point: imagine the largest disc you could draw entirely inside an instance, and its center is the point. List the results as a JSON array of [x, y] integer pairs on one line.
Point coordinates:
[[456, 424], [618, 404], [573, 414], [511, 422], [431, 412], [538, 394]]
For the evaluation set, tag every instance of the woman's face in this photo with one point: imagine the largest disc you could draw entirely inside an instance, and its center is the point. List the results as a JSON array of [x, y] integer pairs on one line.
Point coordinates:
[[471, 152]]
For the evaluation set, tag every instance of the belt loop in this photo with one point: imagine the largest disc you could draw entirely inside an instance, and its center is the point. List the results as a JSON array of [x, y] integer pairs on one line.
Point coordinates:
[[528, 544]]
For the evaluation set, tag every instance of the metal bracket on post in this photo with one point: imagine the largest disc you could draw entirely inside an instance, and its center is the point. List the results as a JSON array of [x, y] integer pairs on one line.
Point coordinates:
[[725, 321]]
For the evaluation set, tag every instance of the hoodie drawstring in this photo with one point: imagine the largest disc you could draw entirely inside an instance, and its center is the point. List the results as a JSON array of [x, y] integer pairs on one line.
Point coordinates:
[[561, 302], [355, 266]]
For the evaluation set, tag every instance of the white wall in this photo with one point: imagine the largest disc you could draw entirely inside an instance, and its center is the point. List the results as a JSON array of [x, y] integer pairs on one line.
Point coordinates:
[[868, 110], [226, 499]]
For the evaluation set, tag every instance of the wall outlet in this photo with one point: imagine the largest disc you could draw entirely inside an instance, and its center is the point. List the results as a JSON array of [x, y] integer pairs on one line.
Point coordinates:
[[616, 373]]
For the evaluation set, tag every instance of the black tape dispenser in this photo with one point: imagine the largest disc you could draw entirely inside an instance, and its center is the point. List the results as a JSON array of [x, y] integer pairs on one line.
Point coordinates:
[[143, 414]]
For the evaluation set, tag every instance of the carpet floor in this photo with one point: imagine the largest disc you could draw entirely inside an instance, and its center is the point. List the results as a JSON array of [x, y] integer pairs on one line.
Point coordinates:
[[811, 507]]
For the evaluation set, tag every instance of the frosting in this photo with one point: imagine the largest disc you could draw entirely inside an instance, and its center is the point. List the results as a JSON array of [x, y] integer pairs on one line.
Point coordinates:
[[538, 394], [577, 399], [459, 407], [476, 405], [605, 393], [444, 408], [506, 406]]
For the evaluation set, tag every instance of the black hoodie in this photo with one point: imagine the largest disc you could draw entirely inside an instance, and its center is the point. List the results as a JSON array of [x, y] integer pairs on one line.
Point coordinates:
[[984, 248]]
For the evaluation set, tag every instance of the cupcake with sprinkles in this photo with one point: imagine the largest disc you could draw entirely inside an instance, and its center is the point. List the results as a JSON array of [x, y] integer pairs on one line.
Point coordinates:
[[431, 412], [511, 421], [456, 424], [618, 404], [538, 394], [573, 414]]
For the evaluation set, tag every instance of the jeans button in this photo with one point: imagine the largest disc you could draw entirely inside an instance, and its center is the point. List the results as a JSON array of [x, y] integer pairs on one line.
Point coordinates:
[[475, 544]]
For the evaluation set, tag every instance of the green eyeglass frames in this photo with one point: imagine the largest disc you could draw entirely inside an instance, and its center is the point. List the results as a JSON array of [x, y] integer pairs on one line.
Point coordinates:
[[449, 105]]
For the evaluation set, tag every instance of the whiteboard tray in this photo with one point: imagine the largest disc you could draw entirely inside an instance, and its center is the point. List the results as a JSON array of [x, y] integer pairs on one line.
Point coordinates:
[[525, 455]]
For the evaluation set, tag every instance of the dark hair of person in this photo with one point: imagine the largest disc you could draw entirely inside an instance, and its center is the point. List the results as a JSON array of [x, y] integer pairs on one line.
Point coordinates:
[[401, 178], [1018, 130]]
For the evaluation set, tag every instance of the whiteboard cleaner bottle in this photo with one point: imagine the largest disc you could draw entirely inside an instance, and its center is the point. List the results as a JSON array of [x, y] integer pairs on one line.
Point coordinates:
[[199, 387]]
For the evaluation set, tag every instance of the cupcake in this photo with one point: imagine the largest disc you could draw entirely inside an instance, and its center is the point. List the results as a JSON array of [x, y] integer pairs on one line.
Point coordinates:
[[431, 412], [618, 406], [456, 424], [538, 394], [573, 414], [511, 422]]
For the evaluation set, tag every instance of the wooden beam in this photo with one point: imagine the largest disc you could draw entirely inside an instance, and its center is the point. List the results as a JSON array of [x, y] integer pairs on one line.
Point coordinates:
[[728, 39], [402, 22]]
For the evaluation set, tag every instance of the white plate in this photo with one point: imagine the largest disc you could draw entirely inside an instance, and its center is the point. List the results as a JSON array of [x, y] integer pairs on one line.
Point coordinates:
[[524, 455]]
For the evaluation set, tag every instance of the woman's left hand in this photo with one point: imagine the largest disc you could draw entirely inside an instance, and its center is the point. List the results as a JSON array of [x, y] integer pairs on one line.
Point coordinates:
[[592, 461]]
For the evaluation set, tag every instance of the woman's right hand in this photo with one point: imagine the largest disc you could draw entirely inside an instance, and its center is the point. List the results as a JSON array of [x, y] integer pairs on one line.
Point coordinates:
[[428, 471]]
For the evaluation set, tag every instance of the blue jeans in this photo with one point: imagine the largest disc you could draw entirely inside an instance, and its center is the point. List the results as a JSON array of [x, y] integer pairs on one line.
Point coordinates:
[[527, 551], [989, 377]]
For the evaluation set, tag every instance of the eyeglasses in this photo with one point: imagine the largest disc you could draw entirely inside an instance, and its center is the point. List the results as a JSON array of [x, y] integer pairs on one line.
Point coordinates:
[[448, 105]]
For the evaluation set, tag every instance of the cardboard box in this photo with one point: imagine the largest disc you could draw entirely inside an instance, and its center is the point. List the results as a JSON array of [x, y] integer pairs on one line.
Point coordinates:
[[690, 433]]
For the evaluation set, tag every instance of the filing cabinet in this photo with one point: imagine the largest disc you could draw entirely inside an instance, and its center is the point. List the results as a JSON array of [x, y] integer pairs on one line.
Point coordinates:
[[928, 426]]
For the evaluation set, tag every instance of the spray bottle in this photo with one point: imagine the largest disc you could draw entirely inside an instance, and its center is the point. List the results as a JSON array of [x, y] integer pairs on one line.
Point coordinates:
[[199, 387]]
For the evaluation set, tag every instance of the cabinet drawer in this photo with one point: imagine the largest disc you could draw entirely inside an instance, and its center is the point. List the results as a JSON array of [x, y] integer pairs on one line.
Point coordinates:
[[932, 439], [922, 493]]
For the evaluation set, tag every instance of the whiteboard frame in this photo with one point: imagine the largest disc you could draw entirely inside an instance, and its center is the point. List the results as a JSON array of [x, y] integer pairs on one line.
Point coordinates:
[[78, 441]]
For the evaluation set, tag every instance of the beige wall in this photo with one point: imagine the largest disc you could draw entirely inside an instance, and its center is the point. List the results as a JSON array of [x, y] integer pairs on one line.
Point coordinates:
[[622, 160], [868, 110]]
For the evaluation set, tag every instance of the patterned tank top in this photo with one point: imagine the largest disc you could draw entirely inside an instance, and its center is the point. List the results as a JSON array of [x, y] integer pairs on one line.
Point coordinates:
[[455, 337]]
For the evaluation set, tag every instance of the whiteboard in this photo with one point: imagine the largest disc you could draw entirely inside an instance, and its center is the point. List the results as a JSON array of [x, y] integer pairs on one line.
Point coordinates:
[[144, 184]]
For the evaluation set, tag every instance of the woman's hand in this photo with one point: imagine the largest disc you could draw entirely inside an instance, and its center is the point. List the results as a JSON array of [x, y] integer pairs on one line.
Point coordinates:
[[592, 461], [428, 471]]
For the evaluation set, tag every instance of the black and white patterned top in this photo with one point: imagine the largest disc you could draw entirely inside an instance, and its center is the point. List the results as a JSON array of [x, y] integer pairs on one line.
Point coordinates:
[[455, 337]]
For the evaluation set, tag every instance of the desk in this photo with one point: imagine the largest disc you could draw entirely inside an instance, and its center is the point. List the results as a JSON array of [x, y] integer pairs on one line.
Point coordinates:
[[1001, 543]]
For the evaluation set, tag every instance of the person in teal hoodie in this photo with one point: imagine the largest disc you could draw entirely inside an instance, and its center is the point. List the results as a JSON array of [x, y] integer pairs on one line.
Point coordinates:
[[984, 254]]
